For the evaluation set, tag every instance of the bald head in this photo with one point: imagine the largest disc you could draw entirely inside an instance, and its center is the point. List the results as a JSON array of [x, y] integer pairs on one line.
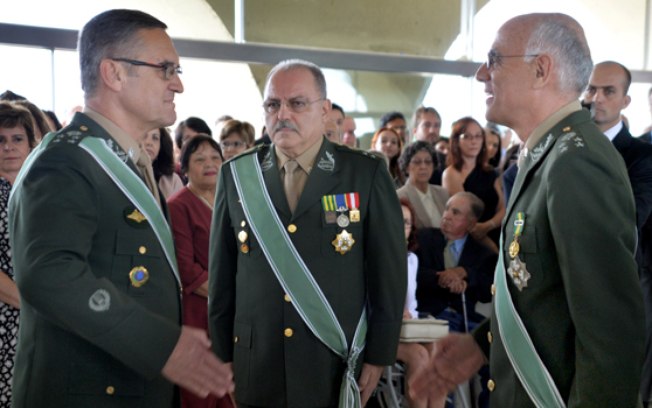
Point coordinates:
[[562, 37], [542, 57]]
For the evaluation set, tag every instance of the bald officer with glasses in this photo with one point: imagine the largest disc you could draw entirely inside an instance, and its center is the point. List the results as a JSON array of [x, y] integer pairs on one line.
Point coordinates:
[[100, 322], [567, 328], [307, 276]]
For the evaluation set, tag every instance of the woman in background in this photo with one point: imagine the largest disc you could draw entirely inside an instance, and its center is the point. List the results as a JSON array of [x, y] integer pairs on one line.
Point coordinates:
[[17, 139], [414, 355], [468, 171], [427, 200], [158, 145], [389, 142], [191, 210], [236, 137]]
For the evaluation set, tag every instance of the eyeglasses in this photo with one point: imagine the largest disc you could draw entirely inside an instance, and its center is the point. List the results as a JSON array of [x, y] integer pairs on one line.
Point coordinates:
[[469, 137], [232, 145], [296, 105], [493, 58], [169, 68]]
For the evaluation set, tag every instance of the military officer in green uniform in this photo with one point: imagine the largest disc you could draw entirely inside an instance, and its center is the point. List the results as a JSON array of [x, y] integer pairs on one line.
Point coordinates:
[[567, 329], [94, 261], [308, 265]]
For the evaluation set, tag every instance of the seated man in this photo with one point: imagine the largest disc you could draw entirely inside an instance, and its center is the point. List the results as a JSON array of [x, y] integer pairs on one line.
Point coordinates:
[[452, 263]]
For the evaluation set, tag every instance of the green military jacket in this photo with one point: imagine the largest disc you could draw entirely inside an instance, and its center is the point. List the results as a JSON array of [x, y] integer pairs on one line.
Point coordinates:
[[88, 337], [277, 360], [582, 305]]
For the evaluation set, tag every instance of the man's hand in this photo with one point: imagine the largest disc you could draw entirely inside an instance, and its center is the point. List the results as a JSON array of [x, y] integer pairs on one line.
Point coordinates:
[[368, 381], [193, 366], [456, 358], [453, 279]]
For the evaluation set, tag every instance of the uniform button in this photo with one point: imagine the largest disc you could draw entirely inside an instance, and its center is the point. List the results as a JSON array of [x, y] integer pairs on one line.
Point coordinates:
[[491, 385], [493, 290], [243, 224], [288, 332], [83, 128], [286, 297], [490, 337], [110, 390], [292, 228], [236, 339], [142, 250]]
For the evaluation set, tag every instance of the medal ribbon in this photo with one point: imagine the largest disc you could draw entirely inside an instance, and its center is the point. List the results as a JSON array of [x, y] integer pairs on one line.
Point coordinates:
[[519, 224], [353, 200], [328, 202], [340, 201]]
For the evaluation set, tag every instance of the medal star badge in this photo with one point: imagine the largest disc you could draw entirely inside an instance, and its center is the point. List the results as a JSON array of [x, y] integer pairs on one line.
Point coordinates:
[[343, 242], [519, 273]]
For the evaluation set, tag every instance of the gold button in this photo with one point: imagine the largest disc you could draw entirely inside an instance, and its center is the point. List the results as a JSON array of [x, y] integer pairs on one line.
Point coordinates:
[[493, 290], [236, 339], [110, 390], [288, 332], [490, 337], [286, 297], [243, 223], [292, 228], [566, 129], [83, 129], [491, 385], [142, 250]]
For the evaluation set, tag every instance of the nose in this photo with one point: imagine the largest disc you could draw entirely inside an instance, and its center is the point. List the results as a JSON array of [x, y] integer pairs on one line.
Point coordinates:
[[283, 111], [482, 74], [175, 83]]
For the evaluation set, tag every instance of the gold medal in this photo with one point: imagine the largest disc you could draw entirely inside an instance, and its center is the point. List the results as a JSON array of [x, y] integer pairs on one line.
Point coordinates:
[[343, 242], [242, 236], [354, 215], [138, 276], [519, 273], [514, 248]]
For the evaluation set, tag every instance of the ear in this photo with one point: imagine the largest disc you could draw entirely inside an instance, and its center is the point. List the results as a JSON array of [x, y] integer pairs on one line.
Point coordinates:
[[326, 107], [543, 65], [112, 74], [627, 101]]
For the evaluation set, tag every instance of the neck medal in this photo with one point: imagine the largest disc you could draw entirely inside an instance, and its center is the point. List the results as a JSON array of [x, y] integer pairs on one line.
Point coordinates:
[[517, 270]]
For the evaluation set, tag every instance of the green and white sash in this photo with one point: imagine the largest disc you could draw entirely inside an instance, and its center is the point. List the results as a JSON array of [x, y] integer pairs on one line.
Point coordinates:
[[529, 368], [294, 276], [126, 180]]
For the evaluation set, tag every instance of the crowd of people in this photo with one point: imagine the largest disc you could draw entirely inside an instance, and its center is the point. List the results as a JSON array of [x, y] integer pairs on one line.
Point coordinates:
[[207, 257]]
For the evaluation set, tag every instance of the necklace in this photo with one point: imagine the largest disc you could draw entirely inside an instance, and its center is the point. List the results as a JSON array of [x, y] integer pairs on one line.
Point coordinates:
[[201, 197]]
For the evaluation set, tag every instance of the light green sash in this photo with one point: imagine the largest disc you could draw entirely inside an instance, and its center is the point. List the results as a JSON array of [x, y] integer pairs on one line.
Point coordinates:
[[529, 368], [294, 276], [126, 180]]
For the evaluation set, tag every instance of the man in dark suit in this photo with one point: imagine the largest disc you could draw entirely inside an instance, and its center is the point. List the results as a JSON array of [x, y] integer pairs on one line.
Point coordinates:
[[468, 267], [567, 327], [332, 214], [607, 96], [93, 254]]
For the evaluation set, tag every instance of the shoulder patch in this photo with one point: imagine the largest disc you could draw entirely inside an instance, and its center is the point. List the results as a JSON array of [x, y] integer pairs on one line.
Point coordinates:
[[570, 140]]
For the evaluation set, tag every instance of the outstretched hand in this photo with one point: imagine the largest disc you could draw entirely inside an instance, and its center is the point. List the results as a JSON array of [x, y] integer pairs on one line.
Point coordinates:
[[456, 358], [193, 366]]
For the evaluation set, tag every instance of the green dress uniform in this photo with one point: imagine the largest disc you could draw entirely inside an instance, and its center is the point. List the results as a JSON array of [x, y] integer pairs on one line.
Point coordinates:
[[277, 360], [96, 329], [581, 303]]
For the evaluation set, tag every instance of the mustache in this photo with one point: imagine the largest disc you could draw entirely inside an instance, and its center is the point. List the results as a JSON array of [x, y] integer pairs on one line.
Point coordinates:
[[284, 124]]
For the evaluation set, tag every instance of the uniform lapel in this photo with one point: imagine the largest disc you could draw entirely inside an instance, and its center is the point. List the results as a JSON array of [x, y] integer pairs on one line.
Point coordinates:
[[272, 177], [532, 161], [322, 179]]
